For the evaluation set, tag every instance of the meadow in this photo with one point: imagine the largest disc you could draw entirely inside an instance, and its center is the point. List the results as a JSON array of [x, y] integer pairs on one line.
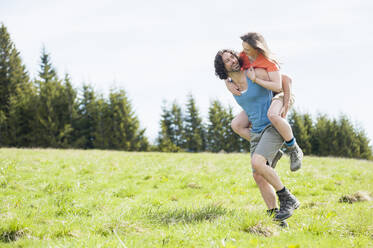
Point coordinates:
[[93, 198]]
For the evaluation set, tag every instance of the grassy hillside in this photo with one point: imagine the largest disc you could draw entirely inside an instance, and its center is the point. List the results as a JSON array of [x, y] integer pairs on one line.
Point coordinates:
[[75, 198]]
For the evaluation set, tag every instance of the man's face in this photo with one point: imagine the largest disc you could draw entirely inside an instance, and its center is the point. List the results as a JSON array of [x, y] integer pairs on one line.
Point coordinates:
[[230, 62]]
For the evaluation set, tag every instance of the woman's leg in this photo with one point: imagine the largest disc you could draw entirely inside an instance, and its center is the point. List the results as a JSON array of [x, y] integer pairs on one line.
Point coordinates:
[[281, 124], [284, 129], [241, 125]]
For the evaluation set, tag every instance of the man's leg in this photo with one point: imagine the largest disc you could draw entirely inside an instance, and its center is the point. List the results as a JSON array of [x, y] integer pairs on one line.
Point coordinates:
[[267, 191], [269, 197], [259, 165], [288, 202]]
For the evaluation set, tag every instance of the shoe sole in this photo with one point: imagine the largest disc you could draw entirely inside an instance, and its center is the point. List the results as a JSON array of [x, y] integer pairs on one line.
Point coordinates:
[[287, 217], [283, 224], [296, 168], [277, 158]]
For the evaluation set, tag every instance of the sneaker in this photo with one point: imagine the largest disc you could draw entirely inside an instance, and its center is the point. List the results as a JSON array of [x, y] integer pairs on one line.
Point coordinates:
[[296, 156], [288, 203], [272, 213], [276, 158]]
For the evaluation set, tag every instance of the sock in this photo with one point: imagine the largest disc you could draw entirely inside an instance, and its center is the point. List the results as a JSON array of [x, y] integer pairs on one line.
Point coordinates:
[[290, 142], [281, 191]]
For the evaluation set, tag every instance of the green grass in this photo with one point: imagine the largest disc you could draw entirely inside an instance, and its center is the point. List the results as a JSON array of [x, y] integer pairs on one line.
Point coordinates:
[[75, 198]]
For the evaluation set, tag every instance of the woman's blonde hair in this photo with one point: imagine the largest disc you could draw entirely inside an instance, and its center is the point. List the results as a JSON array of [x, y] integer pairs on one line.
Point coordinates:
[[256, 41]]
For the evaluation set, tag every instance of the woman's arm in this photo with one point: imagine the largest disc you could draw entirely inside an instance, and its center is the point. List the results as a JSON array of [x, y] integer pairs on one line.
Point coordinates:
[[286, 86], [274, 82]]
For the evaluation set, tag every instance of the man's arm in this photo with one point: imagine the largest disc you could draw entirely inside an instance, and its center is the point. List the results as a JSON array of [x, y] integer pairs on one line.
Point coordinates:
[[272, 83], [232, 87]]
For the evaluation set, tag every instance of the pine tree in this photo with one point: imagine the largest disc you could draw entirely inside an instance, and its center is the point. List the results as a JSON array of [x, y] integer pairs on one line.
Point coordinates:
[[309, 127], [176, 131], [6, 47], [51, 107], [67, 108], [234, 141], [216, 131], [220, 135], [101, 132], [14, 102], [47, 73], [194, 129], [164, 143], [365, 151], [167, 138], [347, 145], [300, 131], [21, 117], [86, 122], [125, 133]]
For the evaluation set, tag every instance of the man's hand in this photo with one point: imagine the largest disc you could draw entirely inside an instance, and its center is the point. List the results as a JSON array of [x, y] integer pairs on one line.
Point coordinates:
[[251, 74], [232, 88]]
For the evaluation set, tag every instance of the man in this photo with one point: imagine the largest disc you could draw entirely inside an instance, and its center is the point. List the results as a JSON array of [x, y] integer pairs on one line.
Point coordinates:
[[266, 141]]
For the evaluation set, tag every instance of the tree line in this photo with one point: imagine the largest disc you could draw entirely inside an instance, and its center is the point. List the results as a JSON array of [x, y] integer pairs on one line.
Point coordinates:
[[185, 130], [323, 136], [48, 111]]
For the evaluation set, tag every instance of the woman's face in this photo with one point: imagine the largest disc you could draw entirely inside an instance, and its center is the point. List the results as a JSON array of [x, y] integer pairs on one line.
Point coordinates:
[[248, 50]]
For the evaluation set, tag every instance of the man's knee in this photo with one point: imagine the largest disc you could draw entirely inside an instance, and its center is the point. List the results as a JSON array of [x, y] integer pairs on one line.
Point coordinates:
[[257, 163], [259, 179]]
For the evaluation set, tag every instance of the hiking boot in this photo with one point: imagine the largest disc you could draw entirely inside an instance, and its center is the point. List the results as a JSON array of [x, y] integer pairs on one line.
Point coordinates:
[[272, 213], [296, 156], [276, 158], [288, 203], [283, 224]]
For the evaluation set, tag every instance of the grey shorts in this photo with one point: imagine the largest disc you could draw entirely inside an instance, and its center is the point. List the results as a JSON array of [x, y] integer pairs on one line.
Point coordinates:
[[266, 143]]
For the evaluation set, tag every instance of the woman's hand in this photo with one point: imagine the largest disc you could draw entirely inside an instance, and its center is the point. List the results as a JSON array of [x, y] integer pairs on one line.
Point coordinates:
[[251, 74], [284, 110], [285, 106], [232, 88]]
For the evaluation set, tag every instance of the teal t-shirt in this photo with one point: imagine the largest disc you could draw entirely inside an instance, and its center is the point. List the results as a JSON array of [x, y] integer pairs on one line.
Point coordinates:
[[255, 101]]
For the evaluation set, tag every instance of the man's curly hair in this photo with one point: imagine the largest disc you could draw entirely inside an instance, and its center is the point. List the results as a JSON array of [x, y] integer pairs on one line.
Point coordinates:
[[220, 70]]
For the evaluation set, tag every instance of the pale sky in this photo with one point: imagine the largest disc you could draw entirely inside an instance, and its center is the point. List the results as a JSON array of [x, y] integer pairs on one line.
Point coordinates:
[[163, 50]]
